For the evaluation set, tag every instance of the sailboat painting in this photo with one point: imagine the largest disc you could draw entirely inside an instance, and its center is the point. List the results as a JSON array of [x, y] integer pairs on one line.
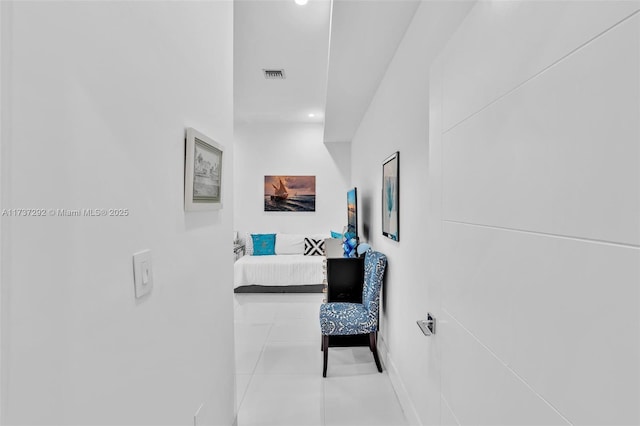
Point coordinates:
[[289, 193]]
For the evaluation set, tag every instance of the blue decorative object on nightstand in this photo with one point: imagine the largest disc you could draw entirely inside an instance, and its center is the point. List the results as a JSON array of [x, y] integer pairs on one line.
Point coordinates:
[[349, 244]]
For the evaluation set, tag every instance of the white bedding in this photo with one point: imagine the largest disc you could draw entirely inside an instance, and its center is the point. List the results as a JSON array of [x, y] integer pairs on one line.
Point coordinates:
[[286, 269]]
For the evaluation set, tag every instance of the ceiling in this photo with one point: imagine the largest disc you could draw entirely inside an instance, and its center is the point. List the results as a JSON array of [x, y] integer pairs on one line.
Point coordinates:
[[279, 34], [334, 54]]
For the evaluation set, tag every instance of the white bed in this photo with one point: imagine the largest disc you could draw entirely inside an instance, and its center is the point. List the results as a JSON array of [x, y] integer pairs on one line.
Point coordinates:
[[278, 270], [289, 270]]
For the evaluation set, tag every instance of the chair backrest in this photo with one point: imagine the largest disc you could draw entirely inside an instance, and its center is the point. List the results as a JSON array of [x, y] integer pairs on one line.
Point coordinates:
[[374, 266]]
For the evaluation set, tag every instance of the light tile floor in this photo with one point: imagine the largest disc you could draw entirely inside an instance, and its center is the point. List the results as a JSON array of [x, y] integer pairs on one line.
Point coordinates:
[[279, 369]]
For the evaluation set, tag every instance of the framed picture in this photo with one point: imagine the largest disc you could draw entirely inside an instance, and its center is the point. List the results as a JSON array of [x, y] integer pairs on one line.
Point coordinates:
[[391, 197], [289, 193], [202, 172]]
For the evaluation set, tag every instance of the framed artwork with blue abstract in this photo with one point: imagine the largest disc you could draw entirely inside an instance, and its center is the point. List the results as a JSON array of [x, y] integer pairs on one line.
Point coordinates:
[[391, 197]]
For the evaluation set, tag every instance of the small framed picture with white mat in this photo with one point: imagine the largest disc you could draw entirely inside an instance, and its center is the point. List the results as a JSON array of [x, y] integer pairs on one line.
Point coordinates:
[[202, 172]]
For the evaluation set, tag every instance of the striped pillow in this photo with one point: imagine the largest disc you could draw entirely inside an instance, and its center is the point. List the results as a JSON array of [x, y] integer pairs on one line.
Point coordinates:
[[313, 247]]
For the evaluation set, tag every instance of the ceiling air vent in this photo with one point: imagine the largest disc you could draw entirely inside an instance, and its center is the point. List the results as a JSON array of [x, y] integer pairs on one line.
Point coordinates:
[[273, 74]]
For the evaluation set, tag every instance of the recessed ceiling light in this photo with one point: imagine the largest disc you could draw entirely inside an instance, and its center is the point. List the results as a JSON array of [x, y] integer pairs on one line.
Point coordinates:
[[312, 115], [301, 2]]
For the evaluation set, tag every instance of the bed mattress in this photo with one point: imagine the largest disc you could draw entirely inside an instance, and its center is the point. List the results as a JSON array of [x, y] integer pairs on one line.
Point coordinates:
[[278, 270]]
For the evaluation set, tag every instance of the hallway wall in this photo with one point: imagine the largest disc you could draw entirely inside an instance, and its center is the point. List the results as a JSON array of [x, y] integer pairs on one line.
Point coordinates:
[[398, 120], [96, 99], [519, 213]]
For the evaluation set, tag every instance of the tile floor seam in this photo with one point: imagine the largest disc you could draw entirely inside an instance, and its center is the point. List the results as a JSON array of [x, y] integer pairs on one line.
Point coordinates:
[[252, 374], [245, 391], [254, 367], [264, 344]]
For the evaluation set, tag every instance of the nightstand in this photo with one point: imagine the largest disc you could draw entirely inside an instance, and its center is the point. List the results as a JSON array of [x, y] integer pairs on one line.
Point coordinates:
[[238, 250]]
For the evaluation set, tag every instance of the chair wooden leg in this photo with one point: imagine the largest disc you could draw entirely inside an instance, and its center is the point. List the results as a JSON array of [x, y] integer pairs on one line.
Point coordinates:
[[374, 349], [325, 348]]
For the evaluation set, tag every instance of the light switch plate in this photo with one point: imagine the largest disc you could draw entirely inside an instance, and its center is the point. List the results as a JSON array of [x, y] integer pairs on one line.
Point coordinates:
[[142, 273]]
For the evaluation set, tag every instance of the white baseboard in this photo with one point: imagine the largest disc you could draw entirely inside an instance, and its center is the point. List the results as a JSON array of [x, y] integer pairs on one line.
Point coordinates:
[[397, 383]]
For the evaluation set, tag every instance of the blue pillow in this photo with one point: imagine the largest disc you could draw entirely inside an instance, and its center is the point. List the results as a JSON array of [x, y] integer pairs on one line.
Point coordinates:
[[264, 244], [337, 235]]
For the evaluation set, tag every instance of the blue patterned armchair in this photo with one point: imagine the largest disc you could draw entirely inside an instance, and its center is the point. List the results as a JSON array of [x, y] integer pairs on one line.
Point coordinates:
[[341, 318]]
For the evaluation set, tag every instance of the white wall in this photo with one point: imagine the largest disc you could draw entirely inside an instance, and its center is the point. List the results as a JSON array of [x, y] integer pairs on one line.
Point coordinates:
[[397, 120], [521, 207], [4, 23], [541, 213], [99, 96], [289, 149]]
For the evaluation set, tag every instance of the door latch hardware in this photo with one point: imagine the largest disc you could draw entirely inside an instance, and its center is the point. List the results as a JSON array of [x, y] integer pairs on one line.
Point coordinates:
[[428, 326]]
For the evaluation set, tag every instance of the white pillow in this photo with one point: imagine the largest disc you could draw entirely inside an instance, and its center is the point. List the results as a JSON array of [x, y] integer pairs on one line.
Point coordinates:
[[333, 247], [289, 244], [248, 244]]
